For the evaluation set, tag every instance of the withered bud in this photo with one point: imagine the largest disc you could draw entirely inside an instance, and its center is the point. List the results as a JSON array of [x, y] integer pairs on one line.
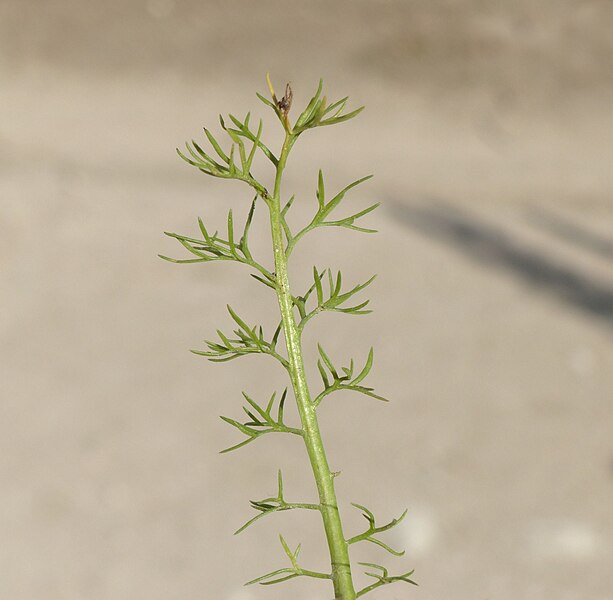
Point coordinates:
[[286, 102]]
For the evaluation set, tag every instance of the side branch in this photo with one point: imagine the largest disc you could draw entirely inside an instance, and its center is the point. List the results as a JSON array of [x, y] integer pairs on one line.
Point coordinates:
[[261, 421], [226, 166], [332, 380], [271, 505], [213, 247], [249, 340], [368, 535], [288, 573], [324, 210], [332, 300], [383, 578]]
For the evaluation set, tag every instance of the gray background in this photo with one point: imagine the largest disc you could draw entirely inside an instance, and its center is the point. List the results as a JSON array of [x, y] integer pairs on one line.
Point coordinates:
[[489, 129]]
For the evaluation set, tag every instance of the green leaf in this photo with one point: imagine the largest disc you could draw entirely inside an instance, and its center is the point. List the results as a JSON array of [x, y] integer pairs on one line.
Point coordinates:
[[216, 146], [327, 361], [224, 339], [256, 143], [242, 428], [266, 101], [367, 367], [264, 414], [368, 535], [267, 579], [340, 119], [348, 370], [244, 242], [323, 374], [340, 298], [183, 261], [250, 332], [355, 310], [318, 288], [337, 288], [187, 160], [231, 233], [235, 135], [237, 446], [286, 549], [255, 421], [348, 221], [385, 547], [205, 233], [266, 282], [367, 392], [270, 403], [231, 165], [281, 407], [337, 199], [318, 112], [320, 191], [340, 104], [287, 206], [308, 112], [275, 336], [189, 247], [367, 513]]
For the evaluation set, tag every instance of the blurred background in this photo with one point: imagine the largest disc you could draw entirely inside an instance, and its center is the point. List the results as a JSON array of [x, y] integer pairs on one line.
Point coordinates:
[[489, 129]]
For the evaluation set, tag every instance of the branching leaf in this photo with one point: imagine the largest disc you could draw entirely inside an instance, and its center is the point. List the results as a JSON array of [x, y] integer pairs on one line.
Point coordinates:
[[247, 341], [333, 299], [216, 146], [373, 529], [288, 573], [199, 158], [261, 422], [213, 247], [314, 115], [383, 578], [332, 204], [309, 111], [332, 381], [326, 207], [342, 118]]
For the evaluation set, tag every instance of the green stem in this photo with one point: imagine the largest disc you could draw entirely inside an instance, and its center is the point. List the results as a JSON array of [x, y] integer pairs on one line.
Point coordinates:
[[339, 552]]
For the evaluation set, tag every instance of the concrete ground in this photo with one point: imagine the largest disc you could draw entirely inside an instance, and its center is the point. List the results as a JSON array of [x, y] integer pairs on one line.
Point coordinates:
[[489, 128]]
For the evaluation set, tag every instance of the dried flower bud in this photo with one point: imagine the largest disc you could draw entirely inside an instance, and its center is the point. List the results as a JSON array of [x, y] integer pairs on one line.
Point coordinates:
[[286, 102]]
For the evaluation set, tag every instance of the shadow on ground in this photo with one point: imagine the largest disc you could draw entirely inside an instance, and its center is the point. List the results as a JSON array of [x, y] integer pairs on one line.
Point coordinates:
[[573, 233], [496, 248]]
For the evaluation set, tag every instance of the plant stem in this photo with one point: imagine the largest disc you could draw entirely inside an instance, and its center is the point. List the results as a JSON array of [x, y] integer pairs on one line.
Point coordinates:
[[339, 553]]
